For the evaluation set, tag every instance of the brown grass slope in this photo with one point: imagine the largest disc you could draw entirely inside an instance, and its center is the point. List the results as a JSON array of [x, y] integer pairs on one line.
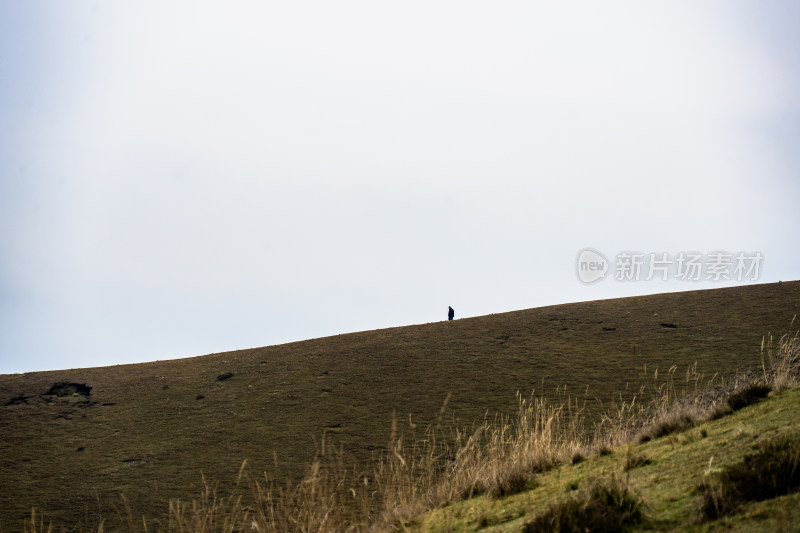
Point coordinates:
[[149, 430]]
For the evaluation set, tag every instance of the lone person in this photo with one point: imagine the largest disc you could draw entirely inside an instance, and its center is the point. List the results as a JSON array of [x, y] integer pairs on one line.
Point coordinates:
[[450, 313]]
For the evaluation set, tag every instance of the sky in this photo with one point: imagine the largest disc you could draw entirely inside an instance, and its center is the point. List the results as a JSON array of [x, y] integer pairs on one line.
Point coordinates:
[[190, 177]]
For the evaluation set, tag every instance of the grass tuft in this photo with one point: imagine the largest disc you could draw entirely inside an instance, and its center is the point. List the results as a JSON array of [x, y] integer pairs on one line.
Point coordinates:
[[577, 458], [512, 483], [772, 472], [608, 506], [748, 396], [668, 423], [635, 461]]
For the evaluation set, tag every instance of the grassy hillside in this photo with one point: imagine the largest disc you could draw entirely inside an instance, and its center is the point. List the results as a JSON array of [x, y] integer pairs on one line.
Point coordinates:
[[669, 476], [149, 430]]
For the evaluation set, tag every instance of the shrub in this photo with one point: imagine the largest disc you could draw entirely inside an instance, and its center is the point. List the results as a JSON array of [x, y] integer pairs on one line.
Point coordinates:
[[666, 424], [672, 424], [609, 506], [577, 458], [772, 472], [503, 481], [718, 411], [511, 483], [749, 395]]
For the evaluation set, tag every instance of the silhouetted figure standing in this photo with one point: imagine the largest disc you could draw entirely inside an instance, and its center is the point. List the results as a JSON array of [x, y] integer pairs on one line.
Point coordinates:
[[450, 313]]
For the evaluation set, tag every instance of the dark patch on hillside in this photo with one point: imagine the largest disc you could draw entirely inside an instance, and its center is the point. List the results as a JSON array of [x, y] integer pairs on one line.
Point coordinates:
[[69, 389], [70, 393], [18, 400]]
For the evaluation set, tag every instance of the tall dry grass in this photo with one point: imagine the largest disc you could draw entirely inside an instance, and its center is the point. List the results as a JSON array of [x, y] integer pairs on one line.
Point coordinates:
[[783, 360], [446, 463], [498, 457]]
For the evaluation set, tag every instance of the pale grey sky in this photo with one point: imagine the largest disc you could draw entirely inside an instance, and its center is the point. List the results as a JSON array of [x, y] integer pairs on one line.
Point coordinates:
[[191, 177]]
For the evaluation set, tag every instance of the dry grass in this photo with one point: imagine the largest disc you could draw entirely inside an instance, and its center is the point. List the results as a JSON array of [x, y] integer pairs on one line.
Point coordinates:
[[36, 524], [784, 360], [498, 458], [443, 465]]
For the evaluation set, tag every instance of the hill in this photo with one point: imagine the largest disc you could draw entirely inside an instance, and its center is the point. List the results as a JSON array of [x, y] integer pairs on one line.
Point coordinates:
[[74, 440]]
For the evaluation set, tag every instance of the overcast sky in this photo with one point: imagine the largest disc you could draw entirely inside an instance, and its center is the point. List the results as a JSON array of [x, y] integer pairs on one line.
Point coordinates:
[[181, 178]]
